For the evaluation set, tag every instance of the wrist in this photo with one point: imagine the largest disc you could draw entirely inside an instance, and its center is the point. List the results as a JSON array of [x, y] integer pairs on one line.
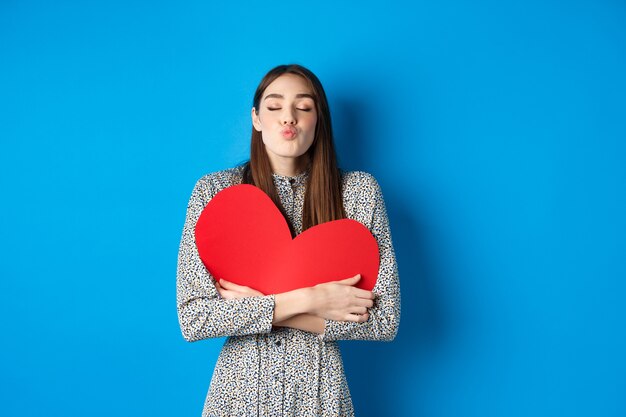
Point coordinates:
[[309, 300], [291, 303]]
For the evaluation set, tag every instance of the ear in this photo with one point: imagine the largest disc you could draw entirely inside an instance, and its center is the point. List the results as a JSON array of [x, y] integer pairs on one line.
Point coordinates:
[[256, 122]]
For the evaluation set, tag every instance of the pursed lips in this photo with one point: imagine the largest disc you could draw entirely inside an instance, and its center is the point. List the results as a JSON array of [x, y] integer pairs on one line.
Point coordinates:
[[288, 132]]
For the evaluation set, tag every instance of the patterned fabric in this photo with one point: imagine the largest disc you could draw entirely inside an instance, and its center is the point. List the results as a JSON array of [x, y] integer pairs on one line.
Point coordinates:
[[266, 371]]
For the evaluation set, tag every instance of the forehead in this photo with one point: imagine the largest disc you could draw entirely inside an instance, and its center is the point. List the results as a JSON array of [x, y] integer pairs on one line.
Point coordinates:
[[288, 85]]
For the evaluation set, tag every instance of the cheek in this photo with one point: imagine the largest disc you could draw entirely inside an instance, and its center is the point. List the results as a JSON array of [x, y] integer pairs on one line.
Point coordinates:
[[267, 118], [266, 138], [311, 122]]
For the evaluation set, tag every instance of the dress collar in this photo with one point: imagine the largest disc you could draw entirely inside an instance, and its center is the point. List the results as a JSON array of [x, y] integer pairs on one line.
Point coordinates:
[[298, 179]]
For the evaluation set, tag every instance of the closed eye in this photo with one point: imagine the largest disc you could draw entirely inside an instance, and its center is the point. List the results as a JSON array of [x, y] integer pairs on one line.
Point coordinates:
[[278, 108]]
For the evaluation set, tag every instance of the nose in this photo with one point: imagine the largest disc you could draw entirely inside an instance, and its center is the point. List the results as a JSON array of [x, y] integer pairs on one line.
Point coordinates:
[[288, 117]]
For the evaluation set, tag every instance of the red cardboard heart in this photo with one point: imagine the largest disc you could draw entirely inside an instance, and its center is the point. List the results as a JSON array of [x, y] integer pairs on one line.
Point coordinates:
[[242, 237]]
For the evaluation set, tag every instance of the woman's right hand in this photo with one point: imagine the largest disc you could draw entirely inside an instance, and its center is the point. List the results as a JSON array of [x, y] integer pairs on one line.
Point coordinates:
[[341, 301], [230, 290]]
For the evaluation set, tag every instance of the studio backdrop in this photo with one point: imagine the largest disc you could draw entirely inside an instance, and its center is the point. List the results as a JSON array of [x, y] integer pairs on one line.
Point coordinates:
[[495, 129]]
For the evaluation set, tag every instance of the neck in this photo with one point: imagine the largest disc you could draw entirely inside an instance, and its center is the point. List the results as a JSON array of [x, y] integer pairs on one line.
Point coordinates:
[[289, 167]]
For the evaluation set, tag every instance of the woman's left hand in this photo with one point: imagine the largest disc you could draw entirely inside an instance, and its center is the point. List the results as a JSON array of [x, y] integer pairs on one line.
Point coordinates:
[[229, 290]]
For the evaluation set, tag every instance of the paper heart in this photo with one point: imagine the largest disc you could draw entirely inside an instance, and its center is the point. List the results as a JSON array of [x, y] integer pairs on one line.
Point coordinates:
[[242, 237]]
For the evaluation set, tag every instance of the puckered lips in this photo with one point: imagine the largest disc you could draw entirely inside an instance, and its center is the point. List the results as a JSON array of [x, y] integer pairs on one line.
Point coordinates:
[[288, 132]]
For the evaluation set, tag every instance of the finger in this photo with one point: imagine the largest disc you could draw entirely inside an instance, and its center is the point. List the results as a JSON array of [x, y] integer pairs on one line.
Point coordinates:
[[363, 302], [229, 290], [249, 292], [227, 294], [357, 318], [221, 291], [350, 281], [230, 285], [361, 293], [359, 310], [231, 295], [246, 291]]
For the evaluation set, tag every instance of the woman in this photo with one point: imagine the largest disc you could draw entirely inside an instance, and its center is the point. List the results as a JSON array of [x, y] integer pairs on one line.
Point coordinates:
[[281, 356]]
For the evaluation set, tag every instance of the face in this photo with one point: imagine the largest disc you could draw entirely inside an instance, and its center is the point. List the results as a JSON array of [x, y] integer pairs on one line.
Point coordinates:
[[286, 118]]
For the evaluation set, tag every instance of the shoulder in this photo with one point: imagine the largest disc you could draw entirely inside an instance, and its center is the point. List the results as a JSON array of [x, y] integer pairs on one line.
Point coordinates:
[[362, 196], [210, 184], [361, 181], [363, 201], [224, 178]]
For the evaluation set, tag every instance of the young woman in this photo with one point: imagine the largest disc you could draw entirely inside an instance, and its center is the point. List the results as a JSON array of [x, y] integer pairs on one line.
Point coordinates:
[[281, 357]]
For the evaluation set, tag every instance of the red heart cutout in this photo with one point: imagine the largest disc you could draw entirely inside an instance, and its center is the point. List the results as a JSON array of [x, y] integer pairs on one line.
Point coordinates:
[[242, 237]]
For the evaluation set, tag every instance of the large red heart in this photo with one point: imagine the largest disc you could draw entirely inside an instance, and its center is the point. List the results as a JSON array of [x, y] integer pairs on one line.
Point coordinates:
[[242, 237]]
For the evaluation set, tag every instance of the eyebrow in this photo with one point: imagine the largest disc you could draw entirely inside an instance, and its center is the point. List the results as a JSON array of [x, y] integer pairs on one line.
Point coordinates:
[[301, 95]]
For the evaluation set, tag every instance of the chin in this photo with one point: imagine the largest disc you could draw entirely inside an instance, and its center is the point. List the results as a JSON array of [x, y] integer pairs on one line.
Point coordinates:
[[294, 156], [288, 150], [293, 153]]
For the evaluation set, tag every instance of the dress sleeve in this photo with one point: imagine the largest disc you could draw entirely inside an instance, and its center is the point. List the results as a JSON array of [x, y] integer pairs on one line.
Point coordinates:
[[202, 313], [384, 316]]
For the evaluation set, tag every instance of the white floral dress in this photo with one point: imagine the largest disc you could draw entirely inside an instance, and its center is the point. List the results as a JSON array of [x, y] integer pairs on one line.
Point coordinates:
[[266, 371]]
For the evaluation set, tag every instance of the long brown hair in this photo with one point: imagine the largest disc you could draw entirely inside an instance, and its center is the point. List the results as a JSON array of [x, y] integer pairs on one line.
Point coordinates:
[[322, 199]]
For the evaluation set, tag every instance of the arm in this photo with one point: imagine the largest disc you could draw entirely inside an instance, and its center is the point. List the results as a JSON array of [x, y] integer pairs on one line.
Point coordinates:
[[384, 316], [302, 321], [202, 313], [306, 308], [307, 322], [207, 309]]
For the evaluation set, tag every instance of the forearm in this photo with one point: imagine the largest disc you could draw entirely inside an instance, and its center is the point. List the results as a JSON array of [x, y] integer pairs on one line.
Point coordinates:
[[208, 317], [382, 325], [292, 303], [307, 322]]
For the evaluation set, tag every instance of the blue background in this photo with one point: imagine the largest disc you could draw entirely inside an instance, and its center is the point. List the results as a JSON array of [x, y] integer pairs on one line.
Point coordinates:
[[496, 130]]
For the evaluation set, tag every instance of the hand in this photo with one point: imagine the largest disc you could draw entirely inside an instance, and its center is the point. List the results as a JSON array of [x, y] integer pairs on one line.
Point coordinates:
[[229, 290], [340, 300]]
